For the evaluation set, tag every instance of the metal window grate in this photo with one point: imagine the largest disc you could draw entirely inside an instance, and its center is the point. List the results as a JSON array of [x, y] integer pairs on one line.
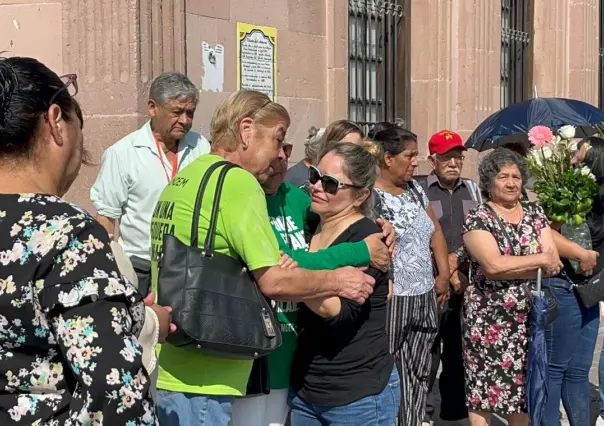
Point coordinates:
[[515, 39], [378, 46], [601, 57]]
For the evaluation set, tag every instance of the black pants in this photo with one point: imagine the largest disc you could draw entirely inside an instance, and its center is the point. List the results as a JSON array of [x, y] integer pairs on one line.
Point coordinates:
[[452, 382], [412, 325]]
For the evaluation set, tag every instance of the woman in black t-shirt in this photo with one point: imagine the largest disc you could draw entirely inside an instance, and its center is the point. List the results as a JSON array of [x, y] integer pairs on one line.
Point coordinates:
[[342, 370]]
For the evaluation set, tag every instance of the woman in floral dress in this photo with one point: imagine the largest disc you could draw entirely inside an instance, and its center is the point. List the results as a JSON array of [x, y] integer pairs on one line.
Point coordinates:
[[69, 321], [508, 241]]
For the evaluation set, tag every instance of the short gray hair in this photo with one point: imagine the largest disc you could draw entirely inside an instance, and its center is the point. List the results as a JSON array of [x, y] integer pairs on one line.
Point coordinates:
[[172, 85], [313, 142], [491, 165], [361, 166]]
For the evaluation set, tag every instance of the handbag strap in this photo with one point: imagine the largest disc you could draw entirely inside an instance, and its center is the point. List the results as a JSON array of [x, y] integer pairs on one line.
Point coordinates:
[[415, 194], [197, 207], [207, 246], [502, 226], [524, 286]]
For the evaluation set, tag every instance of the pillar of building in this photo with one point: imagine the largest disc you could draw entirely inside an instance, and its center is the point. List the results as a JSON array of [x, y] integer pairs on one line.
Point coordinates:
[[431, 69], [117, 49], [337, 59], [478, 74], [565, 49], [550, 49], [455, 70], [583, 39]]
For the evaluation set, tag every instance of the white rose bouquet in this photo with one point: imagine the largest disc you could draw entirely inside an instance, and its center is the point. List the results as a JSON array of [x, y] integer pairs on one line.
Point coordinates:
[[564, 190]]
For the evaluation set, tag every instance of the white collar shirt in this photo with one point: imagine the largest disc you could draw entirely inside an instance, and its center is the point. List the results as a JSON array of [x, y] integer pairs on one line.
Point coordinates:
[[132, 176]]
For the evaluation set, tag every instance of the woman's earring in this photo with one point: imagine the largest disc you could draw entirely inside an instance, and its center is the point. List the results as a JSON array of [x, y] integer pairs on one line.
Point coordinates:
[[244, 143]]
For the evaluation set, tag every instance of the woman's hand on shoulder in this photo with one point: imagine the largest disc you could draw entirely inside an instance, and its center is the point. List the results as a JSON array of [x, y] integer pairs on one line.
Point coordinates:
[[389, 233], [286, 262], [378, 252]]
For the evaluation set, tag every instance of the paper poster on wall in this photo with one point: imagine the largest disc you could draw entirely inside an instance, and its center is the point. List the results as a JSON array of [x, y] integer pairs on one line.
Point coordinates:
[[257, 59], [212, 58]]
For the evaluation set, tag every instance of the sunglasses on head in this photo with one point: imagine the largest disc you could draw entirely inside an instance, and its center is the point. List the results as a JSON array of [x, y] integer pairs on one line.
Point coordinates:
[[330, 184]]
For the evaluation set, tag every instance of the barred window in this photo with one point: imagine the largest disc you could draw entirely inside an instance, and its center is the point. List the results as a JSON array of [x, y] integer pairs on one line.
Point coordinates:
[[515, 38], [379, 47], [601, 57]]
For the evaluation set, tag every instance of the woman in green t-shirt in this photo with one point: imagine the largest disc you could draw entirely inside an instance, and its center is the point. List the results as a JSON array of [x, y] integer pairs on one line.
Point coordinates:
[[291, 217]]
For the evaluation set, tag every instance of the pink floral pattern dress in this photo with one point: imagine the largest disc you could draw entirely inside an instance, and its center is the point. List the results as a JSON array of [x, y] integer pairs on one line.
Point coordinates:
[[495, 316]]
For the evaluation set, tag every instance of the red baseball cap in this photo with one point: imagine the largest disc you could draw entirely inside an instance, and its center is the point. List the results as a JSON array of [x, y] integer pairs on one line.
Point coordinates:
[[444, 141]]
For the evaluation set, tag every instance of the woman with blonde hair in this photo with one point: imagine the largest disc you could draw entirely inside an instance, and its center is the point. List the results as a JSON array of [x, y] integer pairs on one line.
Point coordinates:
[[248, 130], [335, 379]]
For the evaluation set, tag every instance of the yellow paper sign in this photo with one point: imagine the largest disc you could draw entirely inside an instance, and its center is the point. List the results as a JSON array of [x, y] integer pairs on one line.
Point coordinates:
[[257, 59]]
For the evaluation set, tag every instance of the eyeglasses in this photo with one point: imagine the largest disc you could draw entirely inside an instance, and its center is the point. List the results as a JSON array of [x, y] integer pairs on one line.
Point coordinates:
[[447, 158], [287, 149], [70, 83], [330, 184]]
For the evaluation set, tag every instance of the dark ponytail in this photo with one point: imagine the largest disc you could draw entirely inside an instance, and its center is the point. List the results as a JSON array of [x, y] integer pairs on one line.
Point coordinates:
[[26, 88]]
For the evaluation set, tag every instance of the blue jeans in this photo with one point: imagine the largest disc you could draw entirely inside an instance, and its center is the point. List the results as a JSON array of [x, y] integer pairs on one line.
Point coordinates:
[[374, 410], [189, 409], [571, 341], [601, 380]]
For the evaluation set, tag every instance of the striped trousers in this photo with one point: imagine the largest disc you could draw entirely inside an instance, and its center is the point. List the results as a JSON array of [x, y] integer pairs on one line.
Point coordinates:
[[412, 325]]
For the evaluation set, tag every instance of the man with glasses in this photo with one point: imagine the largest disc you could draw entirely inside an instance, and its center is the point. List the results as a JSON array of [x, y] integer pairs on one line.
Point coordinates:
[[451, 198], [135, 170]]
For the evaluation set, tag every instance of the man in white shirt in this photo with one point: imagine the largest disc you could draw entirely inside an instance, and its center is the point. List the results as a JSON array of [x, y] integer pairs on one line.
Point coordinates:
[[135, 170]]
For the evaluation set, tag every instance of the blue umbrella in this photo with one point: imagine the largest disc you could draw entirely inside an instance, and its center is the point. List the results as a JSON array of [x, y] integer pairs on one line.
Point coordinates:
[[521, 117], [536, 376]]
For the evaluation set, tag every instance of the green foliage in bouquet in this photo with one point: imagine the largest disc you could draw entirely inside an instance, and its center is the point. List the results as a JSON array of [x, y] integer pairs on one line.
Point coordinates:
[[564, 190]]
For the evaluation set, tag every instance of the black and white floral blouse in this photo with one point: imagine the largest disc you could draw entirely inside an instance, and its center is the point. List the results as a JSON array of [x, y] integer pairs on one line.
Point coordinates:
[[411, 267], [68, 321]]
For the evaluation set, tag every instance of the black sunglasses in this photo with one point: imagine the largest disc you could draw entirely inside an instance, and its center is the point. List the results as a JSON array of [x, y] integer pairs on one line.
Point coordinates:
[[330, 184], [287, 149]]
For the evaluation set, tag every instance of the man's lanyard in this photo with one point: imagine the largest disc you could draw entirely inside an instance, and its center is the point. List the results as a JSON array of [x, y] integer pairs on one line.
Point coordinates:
[[160, 152]]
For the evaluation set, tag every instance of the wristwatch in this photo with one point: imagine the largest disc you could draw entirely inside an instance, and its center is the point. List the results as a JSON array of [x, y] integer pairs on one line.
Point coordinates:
[[461, 255]]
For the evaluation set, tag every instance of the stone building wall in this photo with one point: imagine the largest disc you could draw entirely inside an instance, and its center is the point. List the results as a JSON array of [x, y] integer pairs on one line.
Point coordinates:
[[118, 46]]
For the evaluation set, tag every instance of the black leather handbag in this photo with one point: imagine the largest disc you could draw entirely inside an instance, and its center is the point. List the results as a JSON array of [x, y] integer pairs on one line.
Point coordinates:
[[142, 269], [217, 306], [591, 292]]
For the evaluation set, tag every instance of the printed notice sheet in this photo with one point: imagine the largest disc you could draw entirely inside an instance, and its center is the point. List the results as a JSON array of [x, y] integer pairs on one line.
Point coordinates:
[[257, 59]]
